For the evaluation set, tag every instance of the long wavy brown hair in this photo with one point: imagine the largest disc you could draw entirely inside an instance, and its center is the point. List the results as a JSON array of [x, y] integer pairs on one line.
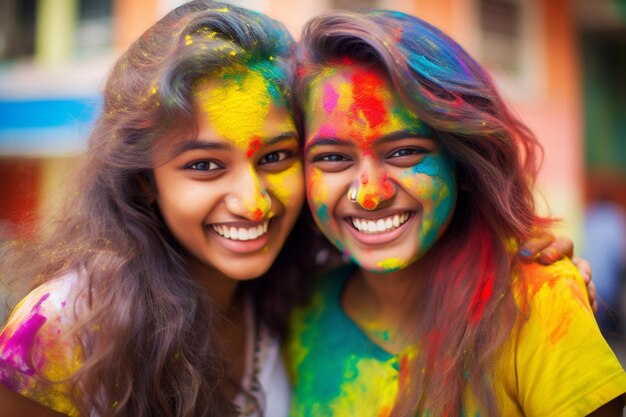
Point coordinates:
[[466, 310], [153, 351]]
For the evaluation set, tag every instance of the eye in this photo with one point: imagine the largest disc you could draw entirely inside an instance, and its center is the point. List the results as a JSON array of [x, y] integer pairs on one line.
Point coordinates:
[[407, 152], [274, 157], [204, 166], [331, 157]]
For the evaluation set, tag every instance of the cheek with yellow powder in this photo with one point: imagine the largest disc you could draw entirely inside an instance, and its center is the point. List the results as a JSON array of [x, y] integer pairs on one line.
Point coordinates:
[[318, 194], [287, 185]]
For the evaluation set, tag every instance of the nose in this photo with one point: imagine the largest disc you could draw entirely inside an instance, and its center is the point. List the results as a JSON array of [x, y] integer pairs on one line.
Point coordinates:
[[373, 186], [248, 197]]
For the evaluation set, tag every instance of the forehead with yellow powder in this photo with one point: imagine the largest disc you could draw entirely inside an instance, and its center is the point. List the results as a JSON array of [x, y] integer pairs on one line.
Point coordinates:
[[239, 103]]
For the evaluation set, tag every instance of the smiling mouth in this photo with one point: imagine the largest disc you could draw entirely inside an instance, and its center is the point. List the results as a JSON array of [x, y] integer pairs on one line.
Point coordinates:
[[381, 225], [241, 233]]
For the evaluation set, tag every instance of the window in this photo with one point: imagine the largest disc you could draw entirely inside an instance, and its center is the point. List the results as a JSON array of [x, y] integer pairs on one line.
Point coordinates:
[[356, 5], [17, 28], [511, 45], [501, 22], [93, 29]]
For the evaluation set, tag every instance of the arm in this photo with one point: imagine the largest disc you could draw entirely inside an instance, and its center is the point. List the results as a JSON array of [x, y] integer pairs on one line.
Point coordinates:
[[16, 405], [611, 409]]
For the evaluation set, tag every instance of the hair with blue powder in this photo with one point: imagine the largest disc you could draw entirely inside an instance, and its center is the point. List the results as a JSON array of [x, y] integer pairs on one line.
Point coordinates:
[[495, 159]]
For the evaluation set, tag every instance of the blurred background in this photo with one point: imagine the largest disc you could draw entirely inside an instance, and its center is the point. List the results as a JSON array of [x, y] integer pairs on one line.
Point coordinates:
[[560, 63]]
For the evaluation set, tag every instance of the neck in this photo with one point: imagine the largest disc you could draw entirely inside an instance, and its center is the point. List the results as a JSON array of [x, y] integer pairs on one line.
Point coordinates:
[[230, 324], [383, 305], [219, 287]]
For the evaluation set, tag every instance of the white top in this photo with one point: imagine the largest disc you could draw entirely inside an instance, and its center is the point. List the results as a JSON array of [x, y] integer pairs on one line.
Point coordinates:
[[265, 379]]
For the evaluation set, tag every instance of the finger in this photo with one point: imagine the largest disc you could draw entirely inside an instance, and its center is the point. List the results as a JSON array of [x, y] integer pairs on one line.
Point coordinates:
[[593, 297], [533, 246], [561, 247], [584, 267]]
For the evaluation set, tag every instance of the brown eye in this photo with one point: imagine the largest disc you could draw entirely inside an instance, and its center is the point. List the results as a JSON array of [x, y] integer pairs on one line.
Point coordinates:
[[204, 166], [407, 152], [272, 158], [331, 157]]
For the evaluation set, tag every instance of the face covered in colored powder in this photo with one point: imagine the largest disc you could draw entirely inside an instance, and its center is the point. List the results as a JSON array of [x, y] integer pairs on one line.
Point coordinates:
[[231, 196], [379, 185]]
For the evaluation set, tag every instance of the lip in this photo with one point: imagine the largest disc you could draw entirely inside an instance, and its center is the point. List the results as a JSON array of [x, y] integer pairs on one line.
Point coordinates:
[[243, 246], [378, 239]]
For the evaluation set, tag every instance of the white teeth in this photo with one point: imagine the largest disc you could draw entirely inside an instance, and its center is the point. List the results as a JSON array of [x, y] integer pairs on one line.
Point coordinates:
[[241, 233], [252, 234], [381, 225]]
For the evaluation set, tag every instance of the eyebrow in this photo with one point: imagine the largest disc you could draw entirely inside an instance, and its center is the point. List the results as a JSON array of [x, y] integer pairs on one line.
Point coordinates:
[[282, 137], [195, 144], [325, 140], [393, 136]]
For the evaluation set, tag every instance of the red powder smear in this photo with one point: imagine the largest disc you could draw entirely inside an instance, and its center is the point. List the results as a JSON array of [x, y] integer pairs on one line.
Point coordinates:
[[403, 373], [388, 188], [532, 279], [434, 339], [330, 98], [257, 215], [346, 60], [366, 92], [17, 347], [384, 412], [370, 201], [485, 288], [397, 34], [255, 144], [481, 297], [561, 329], [302, 71]]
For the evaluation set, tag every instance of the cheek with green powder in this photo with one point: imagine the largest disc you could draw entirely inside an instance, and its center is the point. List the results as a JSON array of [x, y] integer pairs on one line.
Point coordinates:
[[433, 183]]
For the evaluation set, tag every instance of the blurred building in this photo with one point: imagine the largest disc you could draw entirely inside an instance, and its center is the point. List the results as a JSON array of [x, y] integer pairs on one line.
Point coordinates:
[[55, 54]]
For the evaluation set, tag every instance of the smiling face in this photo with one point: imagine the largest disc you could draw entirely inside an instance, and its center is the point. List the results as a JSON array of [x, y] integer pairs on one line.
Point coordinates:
[[379, 185], [231, 196]]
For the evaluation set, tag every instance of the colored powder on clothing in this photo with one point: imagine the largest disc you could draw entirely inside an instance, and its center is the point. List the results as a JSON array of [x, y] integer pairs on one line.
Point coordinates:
[[17, 343]]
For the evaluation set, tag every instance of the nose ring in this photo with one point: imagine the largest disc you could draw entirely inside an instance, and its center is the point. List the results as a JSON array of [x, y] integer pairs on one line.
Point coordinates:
[[352, 193]]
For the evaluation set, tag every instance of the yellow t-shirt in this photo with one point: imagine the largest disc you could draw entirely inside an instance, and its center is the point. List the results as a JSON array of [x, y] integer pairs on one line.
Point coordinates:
[[555, 363], [37, 353]]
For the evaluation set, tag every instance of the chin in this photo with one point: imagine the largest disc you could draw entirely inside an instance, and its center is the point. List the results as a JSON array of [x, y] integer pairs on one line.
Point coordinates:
[[245, 274]]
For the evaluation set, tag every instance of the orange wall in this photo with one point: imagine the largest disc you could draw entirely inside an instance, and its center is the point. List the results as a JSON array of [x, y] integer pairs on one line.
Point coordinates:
[[131, 18], [19, 192]]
